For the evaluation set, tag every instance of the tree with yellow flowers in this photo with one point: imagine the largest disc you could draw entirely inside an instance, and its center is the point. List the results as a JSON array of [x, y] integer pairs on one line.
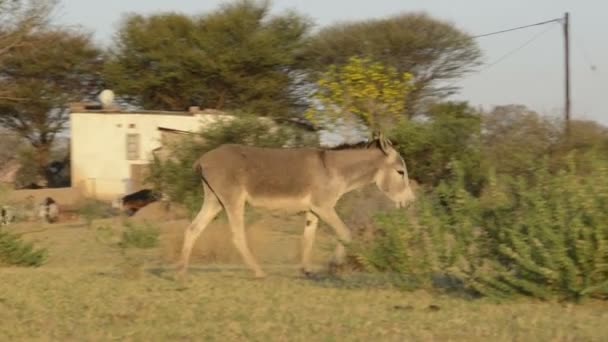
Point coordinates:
[[364, 90]]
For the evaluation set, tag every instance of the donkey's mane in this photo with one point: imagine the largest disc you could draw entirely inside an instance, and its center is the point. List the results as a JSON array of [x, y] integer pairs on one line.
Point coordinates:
[[357, 146], [353, 146]]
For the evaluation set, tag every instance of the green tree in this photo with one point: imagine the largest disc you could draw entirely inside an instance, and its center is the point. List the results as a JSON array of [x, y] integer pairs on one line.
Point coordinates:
[[18, 19], [237, 57], [451, 133], [362, 89], [434, 51], [515, 138], [51, 68]]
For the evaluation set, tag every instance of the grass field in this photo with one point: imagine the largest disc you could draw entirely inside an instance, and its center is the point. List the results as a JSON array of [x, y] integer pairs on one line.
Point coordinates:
[[89, 291]]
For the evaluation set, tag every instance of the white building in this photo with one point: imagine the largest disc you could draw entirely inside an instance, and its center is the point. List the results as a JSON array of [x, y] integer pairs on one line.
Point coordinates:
[[110, 149]]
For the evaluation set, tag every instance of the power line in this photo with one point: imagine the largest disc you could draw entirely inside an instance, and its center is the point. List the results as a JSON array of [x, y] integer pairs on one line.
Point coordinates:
[[566, 27], [508, 54], [518, 28], [583, 51]]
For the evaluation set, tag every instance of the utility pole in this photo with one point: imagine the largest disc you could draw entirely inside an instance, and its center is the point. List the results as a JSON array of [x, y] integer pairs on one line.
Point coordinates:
[[566, 25]]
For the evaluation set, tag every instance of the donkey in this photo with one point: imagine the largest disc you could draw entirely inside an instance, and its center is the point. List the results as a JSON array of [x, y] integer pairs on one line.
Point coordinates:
[[295, 179]]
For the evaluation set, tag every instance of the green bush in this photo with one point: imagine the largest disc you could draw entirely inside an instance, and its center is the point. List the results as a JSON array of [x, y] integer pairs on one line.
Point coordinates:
[[451, 132], [545, 237], [551, 237], [92, 209], [144, 236], [394, 250], [16, 252], [427, 242]]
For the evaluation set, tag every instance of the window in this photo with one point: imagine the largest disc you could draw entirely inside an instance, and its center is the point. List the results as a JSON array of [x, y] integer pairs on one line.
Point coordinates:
[[132, 146]]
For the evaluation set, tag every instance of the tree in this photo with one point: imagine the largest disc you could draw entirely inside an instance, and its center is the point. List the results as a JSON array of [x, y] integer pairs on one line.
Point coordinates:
[[516, 138], [237, 57], [51, 68], [451, 133], [364, 90], [432, 50], [18, 19]]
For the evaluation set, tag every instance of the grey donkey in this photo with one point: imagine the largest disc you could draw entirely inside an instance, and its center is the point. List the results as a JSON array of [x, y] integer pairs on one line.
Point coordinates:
[[307, 180]]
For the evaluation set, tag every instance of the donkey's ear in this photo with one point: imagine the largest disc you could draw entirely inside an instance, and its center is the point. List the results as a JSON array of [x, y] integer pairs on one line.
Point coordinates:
[[373, 141], [384, 143]]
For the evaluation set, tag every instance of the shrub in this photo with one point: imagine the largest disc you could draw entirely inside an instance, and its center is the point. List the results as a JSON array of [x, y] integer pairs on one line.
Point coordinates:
[[393, 250], [545, 237], [427, 242], [16, 252], [551, 238], [451, 132], [142, 236], [92, 209]]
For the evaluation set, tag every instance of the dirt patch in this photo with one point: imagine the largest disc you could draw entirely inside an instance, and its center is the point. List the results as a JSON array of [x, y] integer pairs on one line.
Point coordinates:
[[272, 239], [160, 211]]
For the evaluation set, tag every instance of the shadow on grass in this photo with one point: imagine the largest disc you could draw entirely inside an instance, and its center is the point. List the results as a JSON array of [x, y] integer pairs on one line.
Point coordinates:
[[326, 278], [364, 280], [170, 272]]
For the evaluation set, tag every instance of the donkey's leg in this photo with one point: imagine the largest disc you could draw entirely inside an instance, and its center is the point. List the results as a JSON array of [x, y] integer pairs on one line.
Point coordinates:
[[211, 207], [330, 216], [236, 218], [308, 238]]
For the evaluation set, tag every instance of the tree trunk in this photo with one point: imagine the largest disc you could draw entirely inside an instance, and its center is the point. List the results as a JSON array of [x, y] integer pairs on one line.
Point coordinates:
[[43, 155]]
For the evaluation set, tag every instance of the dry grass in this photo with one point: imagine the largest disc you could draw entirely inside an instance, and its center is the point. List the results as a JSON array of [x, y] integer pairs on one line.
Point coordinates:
[[89, 291]]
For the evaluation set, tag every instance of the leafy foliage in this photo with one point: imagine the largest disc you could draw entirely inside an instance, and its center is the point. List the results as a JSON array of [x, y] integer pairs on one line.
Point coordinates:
[[50, 68], [93, 209], [363, 89], [432, 50], [545, 238], [515, 138], [237, 57], [16, 252], [554, 239], [450, 133], [18, 19], [142, 236]]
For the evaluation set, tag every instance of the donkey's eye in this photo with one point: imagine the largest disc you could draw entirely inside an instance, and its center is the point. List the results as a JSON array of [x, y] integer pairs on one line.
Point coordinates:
[[401, 172]]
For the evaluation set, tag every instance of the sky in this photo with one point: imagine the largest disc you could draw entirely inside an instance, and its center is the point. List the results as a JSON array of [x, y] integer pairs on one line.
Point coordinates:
[[521, 67]]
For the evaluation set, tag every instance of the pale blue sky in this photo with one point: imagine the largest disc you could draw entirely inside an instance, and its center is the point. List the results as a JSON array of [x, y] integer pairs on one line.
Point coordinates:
[[532, 76]]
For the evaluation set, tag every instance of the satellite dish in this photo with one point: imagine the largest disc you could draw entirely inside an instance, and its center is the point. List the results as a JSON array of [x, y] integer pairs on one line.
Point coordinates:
[[106, 97]]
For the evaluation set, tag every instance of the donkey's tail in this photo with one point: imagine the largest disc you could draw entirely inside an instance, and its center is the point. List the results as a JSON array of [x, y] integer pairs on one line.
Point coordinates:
[[198, 168]]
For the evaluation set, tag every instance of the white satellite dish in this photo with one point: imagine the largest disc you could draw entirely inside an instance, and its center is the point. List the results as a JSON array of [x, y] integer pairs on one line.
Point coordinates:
[[106, 97]]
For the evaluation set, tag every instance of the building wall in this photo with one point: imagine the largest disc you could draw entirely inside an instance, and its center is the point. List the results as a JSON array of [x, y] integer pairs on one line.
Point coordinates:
[[99, 163]]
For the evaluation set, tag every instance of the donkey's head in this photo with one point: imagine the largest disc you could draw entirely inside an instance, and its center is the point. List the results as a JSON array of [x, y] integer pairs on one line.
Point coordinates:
[[392, 177]]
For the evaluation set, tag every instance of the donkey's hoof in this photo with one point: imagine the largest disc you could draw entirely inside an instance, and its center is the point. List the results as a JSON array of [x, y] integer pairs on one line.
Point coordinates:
[[181, 277], [311, 275], [335, 267], [307, 273]]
